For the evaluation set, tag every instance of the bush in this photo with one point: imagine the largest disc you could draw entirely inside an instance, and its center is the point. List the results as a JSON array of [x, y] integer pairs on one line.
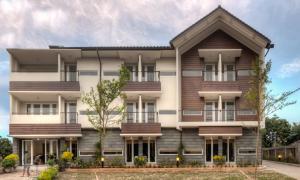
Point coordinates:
[[195, 163], [166, 163], [219, 160], [5, 147], [51, 162], [13, 157], [67, 156], [140, 161], [116, 162], [8, 164], [48, 174], [78, 163]]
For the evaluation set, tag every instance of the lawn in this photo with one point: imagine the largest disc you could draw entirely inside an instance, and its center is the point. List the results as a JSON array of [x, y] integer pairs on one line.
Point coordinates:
[[168, 174]]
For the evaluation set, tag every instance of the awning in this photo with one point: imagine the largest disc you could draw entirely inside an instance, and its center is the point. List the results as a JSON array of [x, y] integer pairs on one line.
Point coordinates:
[[220, 131], [140, 129]]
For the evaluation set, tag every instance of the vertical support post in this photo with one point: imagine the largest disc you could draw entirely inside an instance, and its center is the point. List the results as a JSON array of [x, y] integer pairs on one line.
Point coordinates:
[[59, 66], [228, 149], [45, 150], [132, 150], [11, 105], [148, 156], [212, 149], [31, 152], [140, 109], [220, 108], [70, 145], [51, 146], [140, 69], [59, 108], [220, 67]]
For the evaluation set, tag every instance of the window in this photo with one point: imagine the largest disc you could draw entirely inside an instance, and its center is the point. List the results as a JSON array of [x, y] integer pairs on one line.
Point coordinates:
[[211, 113], [133, 68], [86, 153], [44, 109], [53, 109], [36, 109], [193, 151], [210, 72], [168, 152], [229, 72], [118, 152], [247, 151]]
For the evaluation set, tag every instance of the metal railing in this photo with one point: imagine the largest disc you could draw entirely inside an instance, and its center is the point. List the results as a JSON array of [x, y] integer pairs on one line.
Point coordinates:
[[147, 117], [69, 117], [219, 115], [213, 75], [146, 76], [70, 76]]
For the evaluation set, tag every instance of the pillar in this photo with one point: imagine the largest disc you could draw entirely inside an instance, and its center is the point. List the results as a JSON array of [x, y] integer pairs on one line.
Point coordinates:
[[59, 107], [220, 67], [140, 109], [59, 67], [140, 69], [220, 108]]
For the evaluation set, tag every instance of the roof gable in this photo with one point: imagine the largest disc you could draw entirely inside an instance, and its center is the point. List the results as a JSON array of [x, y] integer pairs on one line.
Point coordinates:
[[220, 19]]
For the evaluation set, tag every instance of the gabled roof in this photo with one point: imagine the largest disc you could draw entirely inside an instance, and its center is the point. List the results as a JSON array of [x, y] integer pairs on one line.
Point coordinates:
[[220, 15], [115, 48]]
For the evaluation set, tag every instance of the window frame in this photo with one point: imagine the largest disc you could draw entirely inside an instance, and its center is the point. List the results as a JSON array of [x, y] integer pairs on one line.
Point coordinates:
[[246, 154]]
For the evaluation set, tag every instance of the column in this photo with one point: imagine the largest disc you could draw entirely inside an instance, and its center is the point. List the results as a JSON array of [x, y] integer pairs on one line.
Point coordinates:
[[140, 69], [45, 150], [59, 107], [148, 157], [51, 146], [31, 153], [70, 145], [228, 149], [220, 108], [59, 66], [212, 149], [132, 150], [140, 109], [220, 67]]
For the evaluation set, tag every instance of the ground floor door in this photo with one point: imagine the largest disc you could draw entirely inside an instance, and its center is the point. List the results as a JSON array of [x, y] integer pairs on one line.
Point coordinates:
[[219, 146], [140, 147], [27, 152]]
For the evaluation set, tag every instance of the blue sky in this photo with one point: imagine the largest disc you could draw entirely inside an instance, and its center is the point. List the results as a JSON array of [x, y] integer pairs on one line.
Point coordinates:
[[37, 24]]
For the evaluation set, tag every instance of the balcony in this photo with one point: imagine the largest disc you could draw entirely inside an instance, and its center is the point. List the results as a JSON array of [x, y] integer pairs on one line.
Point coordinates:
[[225, 75], [141, 124], [23, 118]]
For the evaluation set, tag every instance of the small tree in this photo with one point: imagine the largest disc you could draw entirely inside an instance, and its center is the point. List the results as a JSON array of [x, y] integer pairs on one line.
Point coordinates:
[[100, 104], [5, 147], [262, 100]]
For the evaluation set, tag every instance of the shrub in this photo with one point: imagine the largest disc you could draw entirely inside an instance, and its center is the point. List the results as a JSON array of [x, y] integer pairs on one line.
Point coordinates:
[[166, 163], [140, 161], [116, 162], [195, 163], [48, 174], [219, 160], [5, 147], [67, 156], [8, 164], [13, 157], [51, 162]]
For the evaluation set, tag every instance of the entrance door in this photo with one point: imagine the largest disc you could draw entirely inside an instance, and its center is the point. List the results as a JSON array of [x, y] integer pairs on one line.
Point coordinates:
[[132, 150], [148, 150], [27, 152], [212, 148]]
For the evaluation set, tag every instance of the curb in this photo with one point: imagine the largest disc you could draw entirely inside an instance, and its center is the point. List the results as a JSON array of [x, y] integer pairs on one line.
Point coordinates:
[[276, 162]]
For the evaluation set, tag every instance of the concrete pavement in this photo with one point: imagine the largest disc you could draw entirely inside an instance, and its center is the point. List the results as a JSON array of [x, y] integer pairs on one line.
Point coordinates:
[[289, 170]]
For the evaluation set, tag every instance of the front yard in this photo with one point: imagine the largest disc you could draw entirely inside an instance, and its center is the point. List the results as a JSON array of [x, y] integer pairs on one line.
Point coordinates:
[[168, 174]]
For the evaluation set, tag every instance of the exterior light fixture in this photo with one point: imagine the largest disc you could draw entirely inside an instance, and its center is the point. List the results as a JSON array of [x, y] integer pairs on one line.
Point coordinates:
[[279, 157], [102, 162], [177, 161]]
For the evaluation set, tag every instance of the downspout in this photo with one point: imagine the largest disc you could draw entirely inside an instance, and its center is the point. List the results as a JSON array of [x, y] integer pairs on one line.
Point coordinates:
[[100, 66]]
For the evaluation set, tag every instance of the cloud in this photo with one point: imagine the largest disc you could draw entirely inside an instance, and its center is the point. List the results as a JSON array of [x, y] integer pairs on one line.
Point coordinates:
[[290, 69], [31, 23]]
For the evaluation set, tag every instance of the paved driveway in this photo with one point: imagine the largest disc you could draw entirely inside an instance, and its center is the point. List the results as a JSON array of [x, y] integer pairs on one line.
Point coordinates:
[[17, 174], [289, 170]]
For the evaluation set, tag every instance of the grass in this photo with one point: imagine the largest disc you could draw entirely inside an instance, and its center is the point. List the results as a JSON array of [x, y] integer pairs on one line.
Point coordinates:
[[169, 175]]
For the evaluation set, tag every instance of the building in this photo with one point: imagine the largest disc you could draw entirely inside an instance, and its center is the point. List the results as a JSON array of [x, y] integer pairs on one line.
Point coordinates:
[[193, 89]]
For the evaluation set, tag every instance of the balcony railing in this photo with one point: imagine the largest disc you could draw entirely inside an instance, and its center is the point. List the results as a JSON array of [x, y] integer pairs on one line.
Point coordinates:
[[70, 76], [37, 118], [146, 76], [69, 117], [213, 75], [147, 117], [219, 115]]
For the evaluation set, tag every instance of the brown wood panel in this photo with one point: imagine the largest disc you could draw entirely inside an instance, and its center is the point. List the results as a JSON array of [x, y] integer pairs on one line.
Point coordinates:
[[138, 128], [43, 86], [32, 129], [143, 86], [220, 130], [191, 60]]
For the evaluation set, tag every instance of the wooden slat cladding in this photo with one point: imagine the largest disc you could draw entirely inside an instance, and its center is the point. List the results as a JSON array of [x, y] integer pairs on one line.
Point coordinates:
[[143, 86], [191, 60], [140, 128], [36, 129], [44, 86], [220, 130]]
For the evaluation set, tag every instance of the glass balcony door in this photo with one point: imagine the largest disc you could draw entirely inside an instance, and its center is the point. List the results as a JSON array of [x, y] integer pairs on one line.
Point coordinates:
[[133, 72], [132, 115], [149, 112], [228, 111], [229, 72], [211, 111], [210, 72], [71, 72], [148, 72], [71, 112]]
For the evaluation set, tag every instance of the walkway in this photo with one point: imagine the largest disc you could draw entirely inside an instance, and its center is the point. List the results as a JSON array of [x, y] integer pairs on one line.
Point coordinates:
[[17, 174], [289, 170]]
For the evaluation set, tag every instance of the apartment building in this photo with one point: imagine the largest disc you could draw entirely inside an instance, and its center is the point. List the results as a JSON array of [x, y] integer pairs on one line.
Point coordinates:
[[191, 91]]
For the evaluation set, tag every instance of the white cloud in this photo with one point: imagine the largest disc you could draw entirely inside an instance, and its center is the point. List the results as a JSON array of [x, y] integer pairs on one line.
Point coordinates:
[[290, 69], [31, 23]]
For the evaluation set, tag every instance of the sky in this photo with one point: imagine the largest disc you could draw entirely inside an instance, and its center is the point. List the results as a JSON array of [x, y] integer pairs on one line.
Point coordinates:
[[37, 24]]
